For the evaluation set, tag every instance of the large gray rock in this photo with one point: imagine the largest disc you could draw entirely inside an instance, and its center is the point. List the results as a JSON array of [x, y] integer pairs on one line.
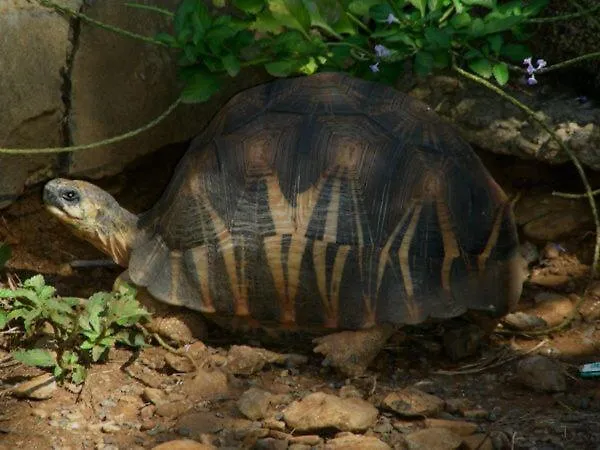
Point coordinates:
[[34, 43], [491, 123], [66, 82]]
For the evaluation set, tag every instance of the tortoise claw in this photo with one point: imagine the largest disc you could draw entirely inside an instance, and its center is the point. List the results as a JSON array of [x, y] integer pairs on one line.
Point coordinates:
[[351, 352]]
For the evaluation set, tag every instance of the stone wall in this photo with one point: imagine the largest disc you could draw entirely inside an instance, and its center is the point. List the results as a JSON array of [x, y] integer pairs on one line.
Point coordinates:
[[64, 82]]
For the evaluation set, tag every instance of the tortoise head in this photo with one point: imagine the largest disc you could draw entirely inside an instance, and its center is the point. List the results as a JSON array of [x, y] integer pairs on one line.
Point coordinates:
[[94, 215]]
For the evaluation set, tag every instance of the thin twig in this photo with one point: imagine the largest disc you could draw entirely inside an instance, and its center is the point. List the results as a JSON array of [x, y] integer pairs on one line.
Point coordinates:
[[75, 148], [564, 16], [570, 195], [533, 116], [493, 365]]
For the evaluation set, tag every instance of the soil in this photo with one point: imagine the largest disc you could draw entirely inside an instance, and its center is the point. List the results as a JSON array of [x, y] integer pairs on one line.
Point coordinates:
[[112, 410]]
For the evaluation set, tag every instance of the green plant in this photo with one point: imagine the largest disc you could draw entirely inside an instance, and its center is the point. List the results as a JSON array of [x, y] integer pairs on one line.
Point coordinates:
[[371, 39], [78, 333]]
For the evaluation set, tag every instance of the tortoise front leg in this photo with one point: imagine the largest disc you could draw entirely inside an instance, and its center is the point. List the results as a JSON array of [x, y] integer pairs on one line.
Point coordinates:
[[351, 352], [175, 323]]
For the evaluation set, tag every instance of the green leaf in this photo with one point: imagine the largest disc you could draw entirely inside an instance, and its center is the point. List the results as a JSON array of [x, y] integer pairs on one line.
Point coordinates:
[[3, 319], [438, 38], [249, 6], [434, 5], [199, 87], [421, 5], [98, 351], [500, 72], [496, 42], [460, 20], [380, 12], [36, 357], [481, 67], [291, 14], [486, 3], [503, 24], [361, 7], [79, 374], [423, 63], [266, 23], [281, 68], [36, 282], [477, 27], [515, 52], [5, 253], [231, 64], [218, 3], [126, 312]]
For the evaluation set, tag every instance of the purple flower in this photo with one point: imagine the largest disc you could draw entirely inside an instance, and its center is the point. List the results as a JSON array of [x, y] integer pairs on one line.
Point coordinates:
[[531, 70], [391, 19], [382, 51], [374, 67], [531, 80]]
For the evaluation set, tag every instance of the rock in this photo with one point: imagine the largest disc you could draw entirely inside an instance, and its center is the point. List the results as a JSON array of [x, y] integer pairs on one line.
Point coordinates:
[[349, 441], [413, 402], [350, 391], [110, 427], [541, 374], [255, 403], [523, 322], [307, 439], [433, 439], [31, 90], [41, 387], [319, 410], [196, 424], [245, 360], [458, 427], [179, 363], [590, 308], [183, 444], [206, 385], [476, 414], [40, 413], [551, 308], [153, 395], [478, 442], [273, 424], [270, 443], [172, 409]]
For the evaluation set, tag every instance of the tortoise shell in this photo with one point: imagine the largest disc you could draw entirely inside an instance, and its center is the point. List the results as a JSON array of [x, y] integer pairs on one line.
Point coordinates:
[[329, 202]]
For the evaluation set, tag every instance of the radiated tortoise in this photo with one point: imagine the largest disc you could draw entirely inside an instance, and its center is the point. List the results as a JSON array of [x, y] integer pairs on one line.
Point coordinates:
[[326, 203]]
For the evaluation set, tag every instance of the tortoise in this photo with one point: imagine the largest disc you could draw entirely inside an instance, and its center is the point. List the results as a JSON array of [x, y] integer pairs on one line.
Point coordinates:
[[324, 203]]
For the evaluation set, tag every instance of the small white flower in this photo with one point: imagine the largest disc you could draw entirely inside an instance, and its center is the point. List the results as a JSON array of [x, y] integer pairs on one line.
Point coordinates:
[[374, 67]]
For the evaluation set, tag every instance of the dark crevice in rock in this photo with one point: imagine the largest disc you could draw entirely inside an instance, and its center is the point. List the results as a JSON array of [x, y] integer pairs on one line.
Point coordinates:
[[64, 159]]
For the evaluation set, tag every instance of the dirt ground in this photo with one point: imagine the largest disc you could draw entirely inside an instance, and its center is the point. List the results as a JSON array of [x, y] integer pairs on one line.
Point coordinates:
[[118, 407]]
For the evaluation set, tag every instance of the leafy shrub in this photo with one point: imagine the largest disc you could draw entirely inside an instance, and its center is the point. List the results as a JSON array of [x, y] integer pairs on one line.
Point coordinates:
[[79, 332], [371, 39]]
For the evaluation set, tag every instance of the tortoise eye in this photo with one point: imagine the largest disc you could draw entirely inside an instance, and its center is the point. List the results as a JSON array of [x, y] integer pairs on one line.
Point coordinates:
[[70, 196]]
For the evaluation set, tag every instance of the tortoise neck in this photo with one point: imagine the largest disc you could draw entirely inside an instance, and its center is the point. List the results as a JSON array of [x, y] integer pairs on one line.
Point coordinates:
[[117, 235]]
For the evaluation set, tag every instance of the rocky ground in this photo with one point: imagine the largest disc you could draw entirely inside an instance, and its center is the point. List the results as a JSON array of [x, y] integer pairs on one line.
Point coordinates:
[[521, 390]]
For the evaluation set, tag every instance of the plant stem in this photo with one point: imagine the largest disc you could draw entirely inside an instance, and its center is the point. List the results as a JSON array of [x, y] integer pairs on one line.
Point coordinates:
[[75, 148], [156, 9], [564, 16], [569, 62], [85, 18]]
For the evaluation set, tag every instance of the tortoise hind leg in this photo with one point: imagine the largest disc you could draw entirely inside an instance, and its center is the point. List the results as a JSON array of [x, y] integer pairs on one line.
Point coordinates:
[[175, 323], [352, 351]]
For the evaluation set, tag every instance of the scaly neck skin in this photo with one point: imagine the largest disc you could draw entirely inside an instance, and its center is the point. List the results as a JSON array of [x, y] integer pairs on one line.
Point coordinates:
[[114, 234]]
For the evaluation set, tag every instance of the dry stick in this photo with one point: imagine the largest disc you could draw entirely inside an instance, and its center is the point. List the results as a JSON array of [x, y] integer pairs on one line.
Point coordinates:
[[532, 115], [74, 148]]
